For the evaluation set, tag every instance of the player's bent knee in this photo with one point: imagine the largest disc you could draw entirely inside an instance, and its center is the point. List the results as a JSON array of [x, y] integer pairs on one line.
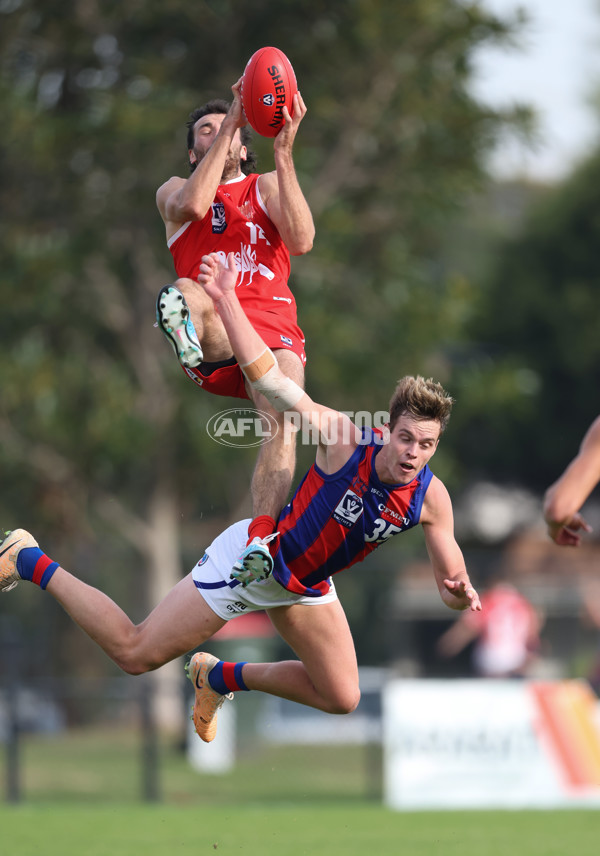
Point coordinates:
[[130, 665], [133, 663], [184, 285], [346, 701], [193, 291]]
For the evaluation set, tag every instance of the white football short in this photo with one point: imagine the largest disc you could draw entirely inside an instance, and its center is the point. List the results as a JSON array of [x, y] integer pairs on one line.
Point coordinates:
[[228, 598]]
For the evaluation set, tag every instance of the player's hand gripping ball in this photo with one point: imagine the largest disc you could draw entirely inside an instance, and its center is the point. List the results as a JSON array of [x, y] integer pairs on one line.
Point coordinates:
[[268, 85]]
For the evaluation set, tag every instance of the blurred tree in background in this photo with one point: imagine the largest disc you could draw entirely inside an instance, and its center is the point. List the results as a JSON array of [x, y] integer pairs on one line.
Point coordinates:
[[529, 379], [104, 452]]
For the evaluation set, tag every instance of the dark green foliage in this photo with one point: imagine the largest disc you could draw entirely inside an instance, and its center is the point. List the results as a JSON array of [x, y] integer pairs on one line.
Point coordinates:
[[531, 385]]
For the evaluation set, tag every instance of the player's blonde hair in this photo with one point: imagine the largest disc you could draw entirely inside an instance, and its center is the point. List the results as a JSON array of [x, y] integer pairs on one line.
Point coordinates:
[[421, 399]]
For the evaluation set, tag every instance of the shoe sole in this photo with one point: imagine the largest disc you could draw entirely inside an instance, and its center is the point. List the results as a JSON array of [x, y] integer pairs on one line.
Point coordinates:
[[258, 560], [206, 731], [172, 314]]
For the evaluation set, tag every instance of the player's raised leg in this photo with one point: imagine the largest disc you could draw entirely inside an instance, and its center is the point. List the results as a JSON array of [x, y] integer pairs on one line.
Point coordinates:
[[181, 622], [272, 478]]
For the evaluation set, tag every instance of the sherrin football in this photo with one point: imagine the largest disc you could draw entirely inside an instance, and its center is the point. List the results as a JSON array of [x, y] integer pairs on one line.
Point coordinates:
[[268, 85]]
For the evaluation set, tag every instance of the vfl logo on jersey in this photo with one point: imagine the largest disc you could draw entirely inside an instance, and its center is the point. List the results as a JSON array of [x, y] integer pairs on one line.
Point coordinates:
[[286, 340], [349, 509], [268, 99], [219, 223]]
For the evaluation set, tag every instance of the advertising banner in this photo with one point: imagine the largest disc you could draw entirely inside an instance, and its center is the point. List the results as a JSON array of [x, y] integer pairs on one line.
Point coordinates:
[[490, 744]]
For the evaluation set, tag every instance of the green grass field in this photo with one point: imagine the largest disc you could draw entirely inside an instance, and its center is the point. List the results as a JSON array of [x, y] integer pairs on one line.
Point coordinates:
[[82, 798], [312, 829]]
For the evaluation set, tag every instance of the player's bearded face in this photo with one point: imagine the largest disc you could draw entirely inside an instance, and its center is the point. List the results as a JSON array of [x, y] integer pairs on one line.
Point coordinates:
[[233, 162], [206, 131]]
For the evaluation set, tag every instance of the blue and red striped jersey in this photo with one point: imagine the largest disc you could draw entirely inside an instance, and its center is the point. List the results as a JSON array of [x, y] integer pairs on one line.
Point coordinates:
[[336, 520]]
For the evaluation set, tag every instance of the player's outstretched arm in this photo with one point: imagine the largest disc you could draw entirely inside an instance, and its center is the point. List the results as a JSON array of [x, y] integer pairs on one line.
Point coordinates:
[[260, 366], [218, 280], [281, 191], [565, 497], [446, 556]]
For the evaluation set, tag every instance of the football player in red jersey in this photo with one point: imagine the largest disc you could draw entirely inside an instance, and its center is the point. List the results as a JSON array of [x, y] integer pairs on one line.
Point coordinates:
[[564, 499], [365, 487], [223, 207]]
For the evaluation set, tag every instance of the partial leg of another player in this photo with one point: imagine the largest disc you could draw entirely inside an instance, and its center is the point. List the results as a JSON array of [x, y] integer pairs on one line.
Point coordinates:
[[274, 470], [271, 480]]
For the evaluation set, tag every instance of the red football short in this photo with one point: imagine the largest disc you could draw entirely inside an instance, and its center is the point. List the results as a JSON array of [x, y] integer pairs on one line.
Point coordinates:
[[226, 377]]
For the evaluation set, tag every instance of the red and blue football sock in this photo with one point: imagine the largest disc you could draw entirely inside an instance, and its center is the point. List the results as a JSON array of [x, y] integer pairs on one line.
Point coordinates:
[[35, 566], [227, 677]]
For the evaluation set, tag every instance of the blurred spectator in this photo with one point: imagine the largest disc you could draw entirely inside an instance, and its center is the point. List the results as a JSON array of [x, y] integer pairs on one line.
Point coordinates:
[[506, 633]]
